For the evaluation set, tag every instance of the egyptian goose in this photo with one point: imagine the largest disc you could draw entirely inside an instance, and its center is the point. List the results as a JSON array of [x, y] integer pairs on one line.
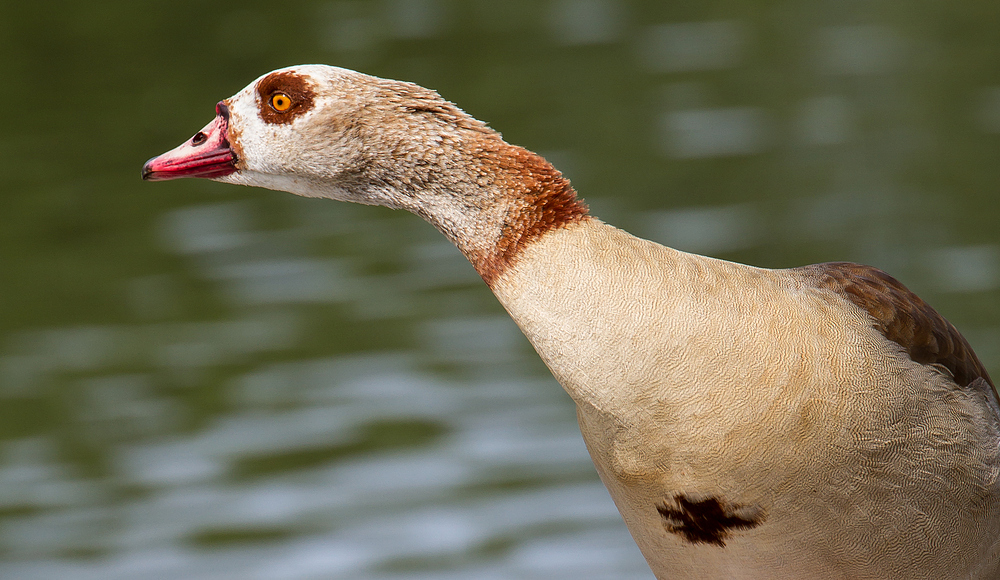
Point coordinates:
[[815, 422]]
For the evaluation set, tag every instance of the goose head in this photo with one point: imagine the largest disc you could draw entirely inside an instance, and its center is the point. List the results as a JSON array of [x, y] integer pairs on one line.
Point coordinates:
[[323, 131]]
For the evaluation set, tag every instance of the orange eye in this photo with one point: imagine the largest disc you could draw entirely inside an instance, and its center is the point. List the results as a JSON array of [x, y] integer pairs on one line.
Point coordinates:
[[281, 102]]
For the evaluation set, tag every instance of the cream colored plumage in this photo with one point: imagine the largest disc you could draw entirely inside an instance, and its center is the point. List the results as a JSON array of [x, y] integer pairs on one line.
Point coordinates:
[[709, 379], [818, 422]]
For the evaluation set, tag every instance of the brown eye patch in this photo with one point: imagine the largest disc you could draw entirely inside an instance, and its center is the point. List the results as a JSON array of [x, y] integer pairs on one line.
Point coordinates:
[[291, 86]]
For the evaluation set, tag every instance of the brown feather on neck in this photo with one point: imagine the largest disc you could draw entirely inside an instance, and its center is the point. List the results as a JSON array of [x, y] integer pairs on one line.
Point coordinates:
[[540, 200], [492, 199]]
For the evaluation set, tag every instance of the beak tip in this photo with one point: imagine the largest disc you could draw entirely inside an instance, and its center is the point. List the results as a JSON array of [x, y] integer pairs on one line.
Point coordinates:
[[147, 170]]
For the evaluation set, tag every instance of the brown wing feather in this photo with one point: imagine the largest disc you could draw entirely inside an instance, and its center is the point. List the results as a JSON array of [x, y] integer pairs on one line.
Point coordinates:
[[902, 317]]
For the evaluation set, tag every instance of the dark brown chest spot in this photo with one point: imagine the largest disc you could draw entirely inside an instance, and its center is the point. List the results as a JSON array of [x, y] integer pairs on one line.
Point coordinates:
[[707, 521]]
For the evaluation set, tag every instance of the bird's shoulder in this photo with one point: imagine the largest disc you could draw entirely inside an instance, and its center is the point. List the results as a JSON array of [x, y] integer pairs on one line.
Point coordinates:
[[901, 316]]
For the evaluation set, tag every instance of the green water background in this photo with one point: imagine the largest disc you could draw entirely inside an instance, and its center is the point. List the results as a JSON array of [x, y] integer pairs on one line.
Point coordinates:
[[207, 381]]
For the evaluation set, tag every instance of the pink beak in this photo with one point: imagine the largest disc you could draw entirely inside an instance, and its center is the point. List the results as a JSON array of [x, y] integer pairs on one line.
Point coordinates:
[[207, 154]]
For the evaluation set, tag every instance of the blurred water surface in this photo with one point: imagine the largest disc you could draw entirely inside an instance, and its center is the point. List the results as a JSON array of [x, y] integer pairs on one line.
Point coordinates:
[[209, 382]]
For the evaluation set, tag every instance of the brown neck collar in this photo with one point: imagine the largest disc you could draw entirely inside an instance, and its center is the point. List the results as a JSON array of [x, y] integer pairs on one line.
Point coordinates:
[[538, 200]]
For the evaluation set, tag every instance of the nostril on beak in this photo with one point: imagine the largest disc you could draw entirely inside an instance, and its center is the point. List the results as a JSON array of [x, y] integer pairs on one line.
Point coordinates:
[[198, 138]]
